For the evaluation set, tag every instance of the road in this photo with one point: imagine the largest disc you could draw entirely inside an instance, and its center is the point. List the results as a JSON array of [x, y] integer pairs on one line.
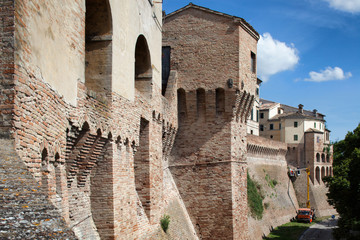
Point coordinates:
[[320, 231]]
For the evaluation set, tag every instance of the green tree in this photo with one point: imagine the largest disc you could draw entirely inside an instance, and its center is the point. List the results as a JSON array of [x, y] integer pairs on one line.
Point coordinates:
[[344, 186]]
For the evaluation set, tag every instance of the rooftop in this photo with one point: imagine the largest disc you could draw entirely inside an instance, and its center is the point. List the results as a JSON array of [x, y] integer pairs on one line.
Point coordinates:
[[291, 112], [245, 25]]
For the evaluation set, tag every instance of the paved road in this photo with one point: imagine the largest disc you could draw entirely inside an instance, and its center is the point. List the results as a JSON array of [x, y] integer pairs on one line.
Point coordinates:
[[320, 231]]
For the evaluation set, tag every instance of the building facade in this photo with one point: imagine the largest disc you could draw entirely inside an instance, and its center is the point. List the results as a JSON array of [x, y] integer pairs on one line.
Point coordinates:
[[305, 133], [253, 119]]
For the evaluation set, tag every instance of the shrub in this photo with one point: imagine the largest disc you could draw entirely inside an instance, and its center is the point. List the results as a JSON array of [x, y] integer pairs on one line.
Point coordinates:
[[272, 182], [255, 200], [164, 222]]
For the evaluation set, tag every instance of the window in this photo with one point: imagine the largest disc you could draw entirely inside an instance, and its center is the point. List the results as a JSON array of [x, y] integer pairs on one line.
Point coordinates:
[[271, 126], [257, 91], [295, 137], [279, 110], [296, 124], [257, 115], [314, 124], [317, 139], [252, 114], [279, 125], [251, 132], [261, 115], [271, 136], [261, 127], [253, 62]]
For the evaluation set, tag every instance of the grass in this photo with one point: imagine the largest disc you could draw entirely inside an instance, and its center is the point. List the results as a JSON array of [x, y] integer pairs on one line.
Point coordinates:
[[164, 222], [291, 230], [272, 182], [255, 200]]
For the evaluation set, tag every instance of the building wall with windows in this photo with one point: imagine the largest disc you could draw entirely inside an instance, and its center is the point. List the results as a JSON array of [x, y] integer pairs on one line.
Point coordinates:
[[294, 130], [253, 119]]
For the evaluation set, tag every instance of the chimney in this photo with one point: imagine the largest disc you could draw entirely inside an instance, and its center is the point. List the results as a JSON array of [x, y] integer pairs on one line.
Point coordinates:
[[315, 113], [301, 108]]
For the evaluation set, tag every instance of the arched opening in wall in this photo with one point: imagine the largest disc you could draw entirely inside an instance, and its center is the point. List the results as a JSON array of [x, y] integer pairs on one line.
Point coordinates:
[[317, 174], [330, 172], [323, 157], [322, 173], [182, 109], [98, 46], [143, 69], [318, 157], [142, 166], [45, 171], [327, 158], [200, 103], [327, 171], [220, 101], [58, 180]]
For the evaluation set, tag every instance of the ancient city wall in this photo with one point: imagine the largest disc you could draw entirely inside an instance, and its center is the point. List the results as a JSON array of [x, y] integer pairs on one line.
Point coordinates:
[[267, 163], [96, 154], [209, 154]]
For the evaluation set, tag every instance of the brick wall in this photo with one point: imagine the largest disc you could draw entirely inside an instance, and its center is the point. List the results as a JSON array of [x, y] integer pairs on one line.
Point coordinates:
[[7, 67], [209, 154], [82, 153], [266, 162]]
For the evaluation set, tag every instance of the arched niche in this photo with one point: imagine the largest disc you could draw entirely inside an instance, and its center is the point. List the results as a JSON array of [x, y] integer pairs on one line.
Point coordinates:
[[98, 46], [182, 108], [201, 103], [220, 101], [143, 69]]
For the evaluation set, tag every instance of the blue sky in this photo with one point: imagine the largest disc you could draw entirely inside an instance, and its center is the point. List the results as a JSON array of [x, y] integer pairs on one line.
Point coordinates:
[[309, 53]]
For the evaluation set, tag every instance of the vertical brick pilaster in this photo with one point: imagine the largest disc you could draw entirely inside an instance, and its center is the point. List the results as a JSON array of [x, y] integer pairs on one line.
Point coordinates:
[[156, 172]]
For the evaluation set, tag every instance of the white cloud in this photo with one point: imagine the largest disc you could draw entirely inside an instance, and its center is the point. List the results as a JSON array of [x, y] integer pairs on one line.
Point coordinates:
[[352, 6], [274, 56], [329, 74]]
